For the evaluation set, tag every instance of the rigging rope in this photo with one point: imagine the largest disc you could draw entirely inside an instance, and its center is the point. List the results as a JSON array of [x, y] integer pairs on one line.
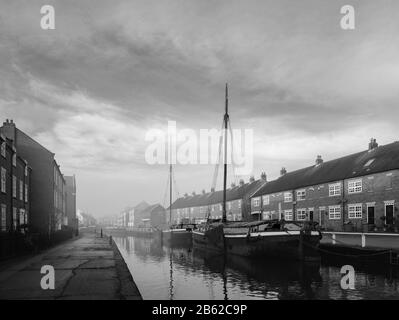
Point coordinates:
[[232, 154], [216, 170]]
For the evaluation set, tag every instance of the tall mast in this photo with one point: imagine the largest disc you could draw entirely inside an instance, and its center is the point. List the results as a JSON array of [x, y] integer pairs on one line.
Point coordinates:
[[226, 120], [170, 194]]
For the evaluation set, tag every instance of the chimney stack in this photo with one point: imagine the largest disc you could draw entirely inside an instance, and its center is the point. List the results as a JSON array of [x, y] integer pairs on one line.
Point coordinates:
[[203, 191], [212, 189], [373, 144], [319, 160], [263, 176], [9, 122], [193, 193], [252, 179], [283, 171], [233, 185], [186, 195], [242, 182]]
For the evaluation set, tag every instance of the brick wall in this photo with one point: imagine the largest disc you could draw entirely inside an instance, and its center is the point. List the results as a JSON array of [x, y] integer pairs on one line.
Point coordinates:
[[378, 191]]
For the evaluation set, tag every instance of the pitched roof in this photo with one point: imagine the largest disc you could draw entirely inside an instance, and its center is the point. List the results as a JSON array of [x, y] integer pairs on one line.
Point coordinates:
[[146, 212], [379, 159], [234, 193]]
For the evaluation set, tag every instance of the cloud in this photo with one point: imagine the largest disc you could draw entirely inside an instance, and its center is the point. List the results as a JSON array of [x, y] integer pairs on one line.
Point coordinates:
[[90, 89]]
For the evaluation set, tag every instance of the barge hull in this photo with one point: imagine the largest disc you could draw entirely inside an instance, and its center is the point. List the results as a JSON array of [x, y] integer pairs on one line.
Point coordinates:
[[180, 237], [275, 244]]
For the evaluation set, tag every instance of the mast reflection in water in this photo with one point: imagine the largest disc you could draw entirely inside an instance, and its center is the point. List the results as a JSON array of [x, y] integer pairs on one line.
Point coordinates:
[[166, 273]]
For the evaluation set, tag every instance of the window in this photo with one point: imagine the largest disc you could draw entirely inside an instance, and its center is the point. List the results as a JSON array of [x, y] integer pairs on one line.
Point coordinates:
[[334, 212], [301, 194], [229, 205], [239, 205], [287, 196], [3, 149], [369, 162], [14, 159], [220, 207], [301, 214], [26, 193], [355, 211], [3, 179], [266, 215], [355, 186], [26, 171], [266, 200], [14, 218], [21, 190], [288, 215], [22, 217], [3, 217], [334, 189], [256, 202], [14, 186], [191, 210]]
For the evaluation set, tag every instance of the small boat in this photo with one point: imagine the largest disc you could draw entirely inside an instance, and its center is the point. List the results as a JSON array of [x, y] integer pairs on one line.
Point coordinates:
[[179, 235], [176, 234], [147, 232]]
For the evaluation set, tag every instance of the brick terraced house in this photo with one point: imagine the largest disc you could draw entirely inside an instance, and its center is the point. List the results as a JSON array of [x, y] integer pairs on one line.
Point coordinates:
[[358, 192], [196, 208]]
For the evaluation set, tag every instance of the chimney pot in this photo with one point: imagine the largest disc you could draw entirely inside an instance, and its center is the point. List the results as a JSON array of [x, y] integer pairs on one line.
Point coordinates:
[[193, 193], [283, 171], [252, 179], [319, 160], [212, 189], [233, 185], [203, 191], [242, 182], [263, 176], [373, 144]]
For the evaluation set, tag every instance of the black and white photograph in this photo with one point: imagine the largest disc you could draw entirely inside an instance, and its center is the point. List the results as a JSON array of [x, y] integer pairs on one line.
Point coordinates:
[[199, 150]]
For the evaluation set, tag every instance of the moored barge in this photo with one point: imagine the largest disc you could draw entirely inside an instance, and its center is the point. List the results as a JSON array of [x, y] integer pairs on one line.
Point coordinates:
[[282, 239]]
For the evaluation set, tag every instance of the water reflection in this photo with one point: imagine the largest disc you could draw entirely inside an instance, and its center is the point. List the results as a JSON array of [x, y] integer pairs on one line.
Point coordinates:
[[163, 272]]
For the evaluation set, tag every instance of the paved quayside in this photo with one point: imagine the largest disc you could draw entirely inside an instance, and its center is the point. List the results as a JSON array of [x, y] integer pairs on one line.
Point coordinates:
[[87, 267]]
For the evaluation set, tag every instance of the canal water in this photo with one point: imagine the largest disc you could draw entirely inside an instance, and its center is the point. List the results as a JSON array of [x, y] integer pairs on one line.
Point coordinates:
[[162, 272]]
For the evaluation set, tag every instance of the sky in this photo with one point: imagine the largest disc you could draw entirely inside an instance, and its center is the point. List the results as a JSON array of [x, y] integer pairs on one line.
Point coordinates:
[[111, 71]]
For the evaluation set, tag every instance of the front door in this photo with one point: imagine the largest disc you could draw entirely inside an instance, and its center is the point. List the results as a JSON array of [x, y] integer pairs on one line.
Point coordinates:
[[370, 215], [389, 213]]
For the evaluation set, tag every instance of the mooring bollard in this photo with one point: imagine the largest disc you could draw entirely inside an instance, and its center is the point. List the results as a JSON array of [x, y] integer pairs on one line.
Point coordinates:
[[363, 240]]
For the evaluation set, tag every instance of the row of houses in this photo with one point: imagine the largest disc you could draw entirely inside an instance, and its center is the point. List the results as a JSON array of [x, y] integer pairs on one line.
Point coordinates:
[[35, 197], [357, 192], [142, 215]]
